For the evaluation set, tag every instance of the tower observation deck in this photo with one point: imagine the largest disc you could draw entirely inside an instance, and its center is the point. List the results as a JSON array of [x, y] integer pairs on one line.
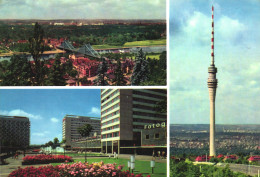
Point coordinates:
[[212, 86]]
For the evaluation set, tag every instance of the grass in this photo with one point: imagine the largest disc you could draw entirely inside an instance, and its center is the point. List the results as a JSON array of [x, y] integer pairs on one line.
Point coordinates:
[[105, 46], [146, 43], [133, 44], [140, 166], [76, 155]]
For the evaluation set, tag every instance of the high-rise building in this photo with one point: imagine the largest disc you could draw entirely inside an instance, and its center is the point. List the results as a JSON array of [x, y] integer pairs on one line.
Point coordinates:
[[125, 113], [14, 131], [212, 86], [70, 124]]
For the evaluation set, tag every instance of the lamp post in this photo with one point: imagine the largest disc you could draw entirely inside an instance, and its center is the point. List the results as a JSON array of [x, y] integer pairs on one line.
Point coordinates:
[[152, 165], [132, 158], [129, 165]]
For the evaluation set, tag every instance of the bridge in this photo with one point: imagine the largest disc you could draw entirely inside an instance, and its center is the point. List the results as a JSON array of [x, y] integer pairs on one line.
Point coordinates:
[[86, 49]]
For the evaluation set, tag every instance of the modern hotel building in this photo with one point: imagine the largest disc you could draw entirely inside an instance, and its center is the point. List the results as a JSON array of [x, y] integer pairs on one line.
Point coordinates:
[[125, 113], [70, 124], [14, 131]]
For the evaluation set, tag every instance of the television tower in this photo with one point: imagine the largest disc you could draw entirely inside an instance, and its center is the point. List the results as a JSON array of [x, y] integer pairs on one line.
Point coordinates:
[[212, 85]]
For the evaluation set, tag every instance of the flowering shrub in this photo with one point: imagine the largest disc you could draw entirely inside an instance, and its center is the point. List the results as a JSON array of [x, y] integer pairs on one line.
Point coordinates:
[[94, 169], [45, 171], [41, 159], [77, 169]]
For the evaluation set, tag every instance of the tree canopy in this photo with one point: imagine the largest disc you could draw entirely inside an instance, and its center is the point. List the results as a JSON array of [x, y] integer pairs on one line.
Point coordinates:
[[85, 130]]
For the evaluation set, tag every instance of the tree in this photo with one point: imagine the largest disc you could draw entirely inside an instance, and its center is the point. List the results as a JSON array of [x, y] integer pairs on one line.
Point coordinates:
[[141, 70], [15, 72], [55, 140], [119, 79], [56, 74], [84, 131], [157, 70], [161, 106], [36, 48], [50, 143], [102, 76]]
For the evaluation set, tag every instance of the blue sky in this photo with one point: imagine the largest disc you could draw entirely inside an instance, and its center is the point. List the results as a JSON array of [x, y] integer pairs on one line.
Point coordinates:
[[237, 57], [47, 107], [83, 9]]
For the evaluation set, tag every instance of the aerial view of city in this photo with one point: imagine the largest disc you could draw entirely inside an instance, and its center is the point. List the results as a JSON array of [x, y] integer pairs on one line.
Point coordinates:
[[93, 132], [54, 47], [214, 117]]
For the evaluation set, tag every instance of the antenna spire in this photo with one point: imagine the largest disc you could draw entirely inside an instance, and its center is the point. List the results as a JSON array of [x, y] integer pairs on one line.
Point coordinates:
[[212, 38]]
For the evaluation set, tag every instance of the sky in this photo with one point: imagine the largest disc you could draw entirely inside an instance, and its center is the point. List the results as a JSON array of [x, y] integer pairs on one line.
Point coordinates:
[[47, 107], [237, 57], [83, 9]]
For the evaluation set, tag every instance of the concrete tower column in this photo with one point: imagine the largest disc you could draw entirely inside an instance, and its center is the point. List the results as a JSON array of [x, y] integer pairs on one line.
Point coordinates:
[[212, 85]]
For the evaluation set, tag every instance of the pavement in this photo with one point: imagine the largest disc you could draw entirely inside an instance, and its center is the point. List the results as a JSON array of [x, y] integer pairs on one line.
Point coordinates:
[[13, 164]]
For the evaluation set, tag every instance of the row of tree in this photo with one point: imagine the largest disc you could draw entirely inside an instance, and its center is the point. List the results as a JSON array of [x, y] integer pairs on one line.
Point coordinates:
[[146, 72], [95, 35], [186, 168]]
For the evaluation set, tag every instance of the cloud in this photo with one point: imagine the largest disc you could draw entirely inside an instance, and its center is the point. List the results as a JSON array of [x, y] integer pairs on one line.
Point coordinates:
[[231, 29], [88, 9], [41, 134], [54, 120], [95, 110], [19, 112]]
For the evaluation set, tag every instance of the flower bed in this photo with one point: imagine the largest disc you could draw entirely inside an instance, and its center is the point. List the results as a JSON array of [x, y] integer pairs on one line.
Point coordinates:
[[75, 170], [44, 159], [44, 171]]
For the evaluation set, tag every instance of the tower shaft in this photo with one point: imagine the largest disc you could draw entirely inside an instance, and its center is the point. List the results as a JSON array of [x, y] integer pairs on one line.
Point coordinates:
[[212, 86]]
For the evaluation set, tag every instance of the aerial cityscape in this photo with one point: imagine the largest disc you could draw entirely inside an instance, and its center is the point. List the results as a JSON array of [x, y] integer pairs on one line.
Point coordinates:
[[220, 138], [73, 50]]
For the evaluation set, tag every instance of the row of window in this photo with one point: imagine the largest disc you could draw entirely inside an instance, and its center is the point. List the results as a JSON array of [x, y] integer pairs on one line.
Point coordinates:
[[110, 128], [109, 96], [108, 91], [110, 122], [110, 115], [110, 109], [110, 135], [149, 94], [164, 91], [144, 100], [110, 102], [139, 106], [148, 114], [156, 136]]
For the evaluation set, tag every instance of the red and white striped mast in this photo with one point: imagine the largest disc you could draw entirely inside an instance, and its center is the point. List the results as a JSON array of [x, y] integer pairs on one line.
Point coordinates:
[[212, 38], [212, 86]]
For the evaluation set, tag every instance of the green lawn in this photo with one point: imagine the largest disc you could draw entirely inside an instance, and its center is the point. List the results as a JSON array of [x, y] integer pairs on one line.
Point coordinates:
[[105, 46], [82, 155], [140, 166], [145, 43], [133, 44]]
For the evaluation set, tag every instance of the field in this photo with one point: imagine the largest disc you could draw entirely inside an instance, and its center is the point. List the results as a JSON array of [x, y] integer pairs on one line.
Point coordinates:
[[133, 44], [145, 43], [140, 166]]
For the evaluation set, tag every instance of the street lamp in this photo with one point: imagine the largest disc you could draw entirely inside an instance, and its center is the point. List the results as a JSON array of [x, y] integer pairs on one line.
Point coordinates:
[[129, 165], [152, 165], [132, 159], [132, 166]]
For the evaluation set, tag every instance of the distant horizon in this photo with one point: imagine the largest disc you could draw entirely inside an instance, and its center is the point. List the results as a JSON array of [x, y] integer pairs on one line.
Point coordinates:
[[208, 124], [135, 19], [78, 9]]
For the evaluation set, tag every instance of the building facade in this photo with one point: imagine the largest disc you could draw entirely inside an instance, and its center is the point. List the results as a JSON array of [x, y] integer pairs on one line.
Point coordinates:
[[70, 124], [14, 131], [125, 113]]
